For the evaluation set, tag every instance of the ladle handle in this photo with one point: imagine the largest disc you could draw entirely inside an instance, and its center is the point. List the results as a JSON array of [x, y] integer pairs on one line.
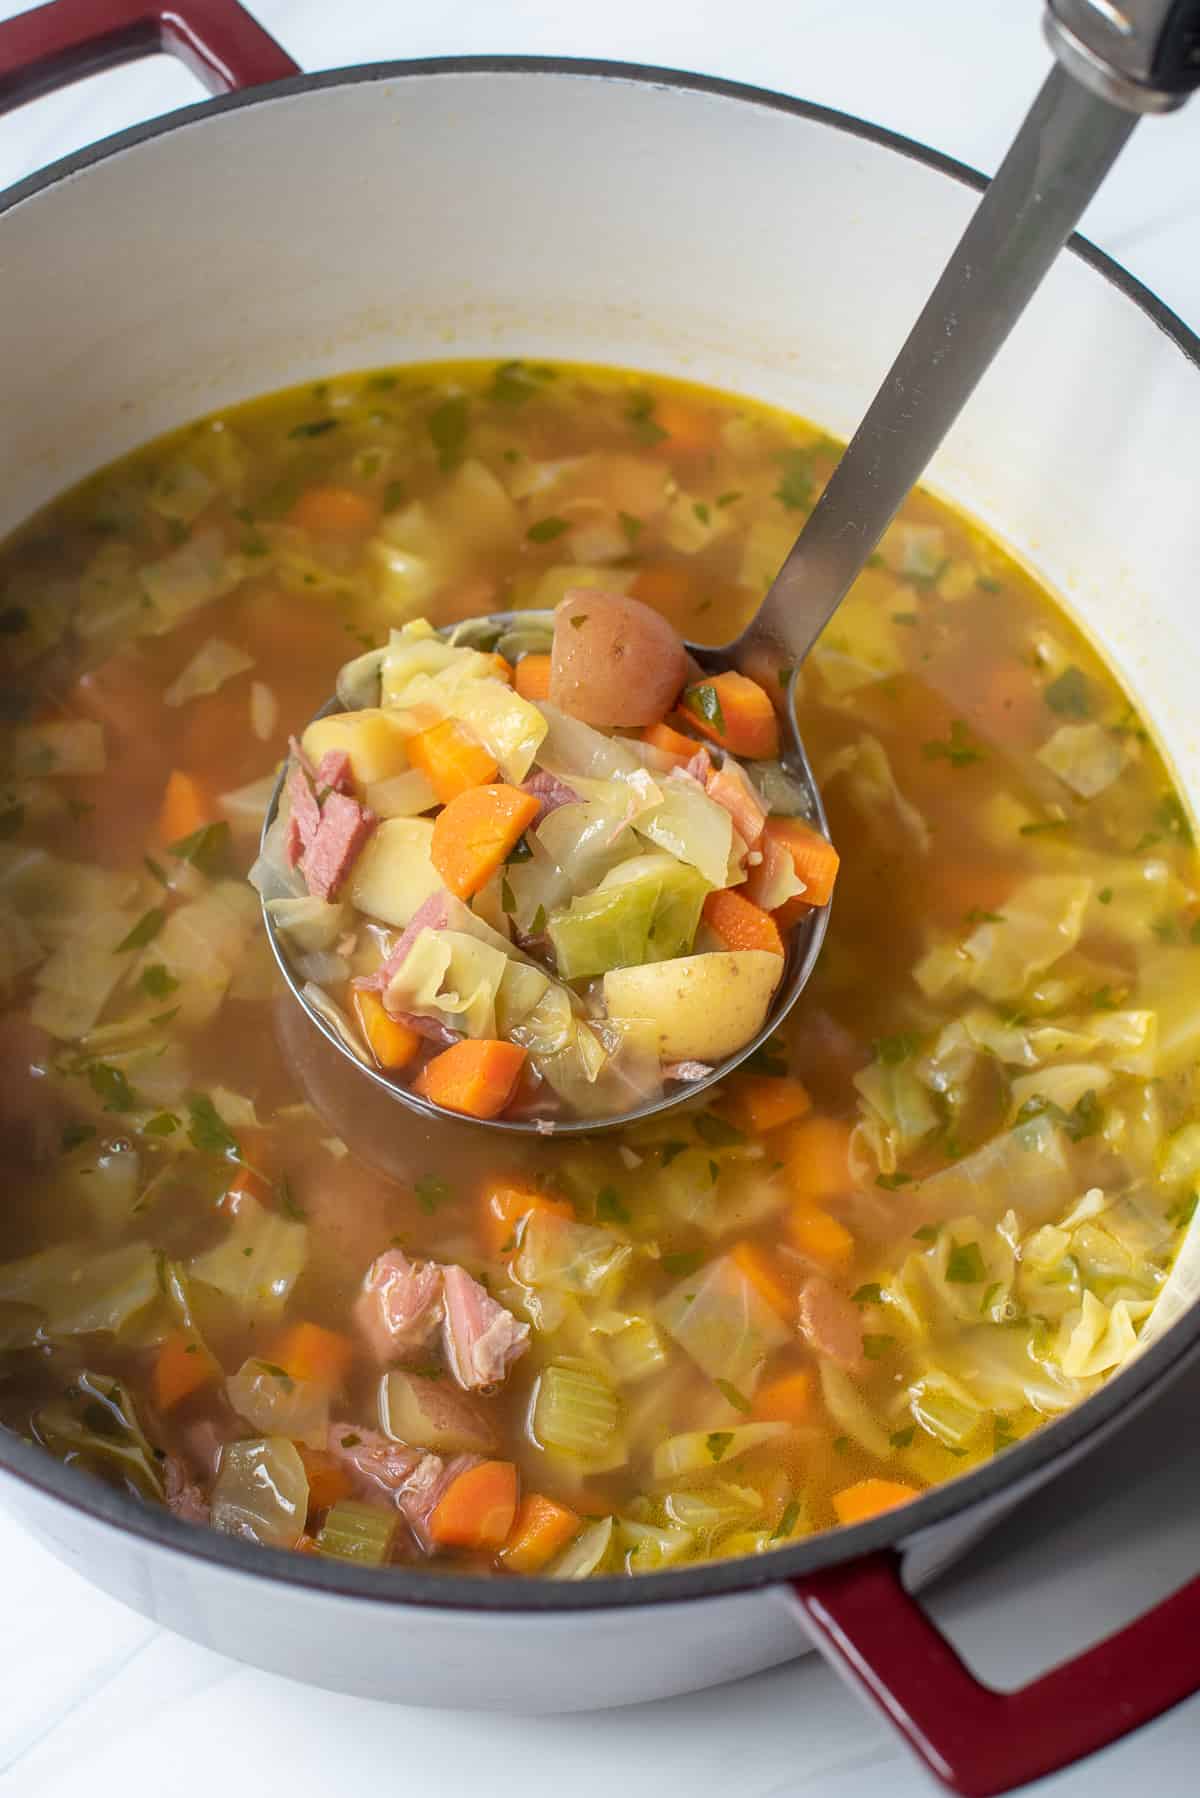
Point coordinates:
[[1061, 154]]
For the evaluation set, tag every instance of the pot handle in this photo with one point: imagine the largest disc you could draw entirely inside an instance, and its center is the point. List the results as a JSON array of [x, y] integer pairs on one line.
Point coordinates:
[[977, 1741], [222, 45]]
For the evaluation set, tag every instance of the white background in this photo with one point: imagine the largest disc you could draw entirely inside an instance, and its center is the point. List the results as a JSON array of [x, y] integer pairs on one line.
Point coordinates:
[[98, 1700]]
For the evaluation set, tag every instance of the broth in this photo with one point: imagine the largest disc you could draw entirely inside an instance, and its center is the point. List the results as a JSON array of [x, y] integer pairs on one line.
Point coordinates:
[[935, 1211]]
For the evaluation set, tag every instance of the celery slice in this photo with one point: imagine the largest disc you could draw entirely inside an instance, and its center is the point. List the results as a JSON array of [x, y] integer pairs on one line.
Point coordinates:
[[583, 1557], [353, 1531], [576, 1410]]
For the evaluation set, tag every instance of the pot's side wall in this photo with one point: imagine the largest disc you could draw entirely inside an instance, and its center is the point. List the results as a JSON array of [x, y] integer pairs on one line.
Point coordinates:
[[471, 1660]]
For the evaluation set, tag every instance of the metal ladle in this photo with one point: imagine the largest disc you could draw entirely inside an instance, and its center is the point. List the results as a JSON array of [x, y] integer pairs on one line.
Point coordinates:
[[1115, 62]]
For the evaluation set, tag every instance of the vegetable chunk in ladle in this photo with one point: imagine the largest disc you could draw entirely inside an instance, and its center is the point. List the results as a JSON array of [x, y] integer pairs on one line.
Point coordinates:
[[572, 874]]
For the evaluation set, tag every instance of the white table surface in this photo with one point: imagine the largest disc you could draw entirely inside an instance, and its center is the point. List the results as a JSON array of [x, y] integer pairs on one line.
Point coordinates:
[[98, 1700]]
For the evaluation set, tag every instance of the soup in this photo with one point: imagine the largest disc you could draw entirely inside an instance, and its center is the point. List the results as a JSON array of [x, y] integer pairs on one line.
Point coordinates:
[[568, 947], [932, 1212]]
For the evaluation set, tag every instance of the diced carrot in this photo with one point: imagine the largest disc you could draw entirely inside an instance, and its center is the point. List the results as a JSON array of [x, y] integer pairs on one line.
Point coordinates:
[[531, 677], [691, 429], [307, 1351], [867, 1498], [817, 1155], [735, 712], [785, 1400], [334, 512], [187, 806], [453, 759], [475, 1077], [392, 1043], [474, 833], [739, 923], [328, 1480], [505, 1203], [181, 1367], [477, 1509], [667, 586], [671, 742], [247, 1183], [814, 858], [756, 1265], [540, 1529], [501, 669], [821, 1237], [758, 1103]]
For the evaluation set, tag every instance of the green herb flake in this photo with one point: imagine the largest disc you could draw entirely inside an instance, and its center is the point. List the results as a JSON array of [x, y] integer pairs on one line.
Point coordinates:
[[163, 1123], [927, 1233], [111, 1087], [1172, 819], [870, 1294], [317, 427], [1105, 895], [156, 869], [681, 1264], [705, 702], [667, 1151], [610, 1207], [287, 1202], [632, 527], [891, 1050], [1003, 1434], [965, 1265], [207, 849], [639, 411], [717, 1442], [989, 1297], [958, 750], [728, 499], [208, 1131], [987, 583], [537, 923], [431, 1191], [876, 1347], [1043, 827], [74, 1134], [841, 1445], [157, 981], [351, 1441], [1069, 695], [144, 931], [795, 489], [508, 903], [520, 852], [902, 1438], [788, 1520], [737, 1399], [547, 529], [716, 1132], [513, 383], [977, 915], [893, 1182], [701, 512], [448, 425]]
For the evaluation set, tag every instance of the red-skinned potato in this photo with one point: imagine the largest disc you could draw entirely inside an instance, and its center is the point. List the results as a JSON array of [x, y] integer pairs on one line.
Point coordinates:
[[614, 661]]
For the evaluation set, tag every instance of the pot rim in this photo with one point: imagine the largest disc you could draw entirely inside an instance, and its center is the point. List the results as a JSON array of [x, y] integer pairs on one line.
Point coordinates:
[[1008, 1474]]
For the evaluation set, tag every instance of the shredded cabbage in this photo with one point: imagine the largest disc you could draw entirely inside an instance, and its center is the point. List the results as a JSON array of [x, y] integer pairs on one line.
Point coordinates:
[[214, 663], [257, 1262]]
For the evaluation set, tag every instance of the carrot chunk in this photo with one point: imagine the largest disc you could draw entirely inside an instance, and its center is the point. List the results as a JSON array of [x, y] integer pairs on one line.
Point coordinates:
[[477, 1509], [785, 1400], [814, 858], [502, 669], [821, 1237], [671, 742], [392, 1043], [187, 806], [867, 1498], [691, 429], [328, 1480], [452, 758], [817, 1156], [735, 712], [757, 1266], [334, 512], [531, 677], [181, 1367], [306, 1351], [504, 1204], [758, 1103], [247, 1183], [473, 1077], [740, 924], [474, 833], [540, 1529]]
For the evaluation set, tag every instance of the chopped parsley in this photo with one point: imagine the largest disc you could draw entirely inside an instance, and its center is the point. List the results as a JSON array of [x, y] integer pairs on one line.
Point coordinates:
[[610, 1207], [316, 427], [513, 383], [893, 1182], [977, 915], [795, 489], [1171, 818], [1069, 695], [965, 1265], [157, 981], [207, 849], [728, 499], [902, 1438], [163, 1123], [431, 1192], [508, 903], [639, 411], [632, 527], [701, 512], [111, 1087], [737, 1399], [667, 1151], [958, 750], [870, 1294], [546, 530], [718, 1441], [447, 425], [891, 1050], [681, 1264], [144, 931], [207, 1129], [1084, 1118], [716, 1132], [787, 1522], [705, 702]]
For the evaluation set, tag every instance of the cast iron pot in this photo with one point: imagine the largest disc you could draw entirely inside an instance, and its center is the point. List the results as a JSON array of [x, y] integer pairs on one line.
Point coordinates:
[[503, 206]]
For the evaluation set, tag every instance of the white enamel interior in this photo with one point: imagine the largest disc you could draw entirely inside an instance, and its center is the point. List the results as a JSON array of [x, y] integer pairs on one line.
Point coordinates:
[[613, 221]]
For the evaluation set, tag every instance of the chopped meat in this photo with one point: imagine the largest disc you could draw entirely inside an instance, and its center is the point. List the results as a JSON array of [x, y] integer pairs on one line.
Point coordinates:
[[400, 1306], [772, 880], [729, 786], [375, 1463], [432, 914], [183, 1495], [482, 1339], [831, 1323], [551, 792], [304, 820], [333, 773], [700, 767], [432, 1029], [344, 828], [203, 1440]]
